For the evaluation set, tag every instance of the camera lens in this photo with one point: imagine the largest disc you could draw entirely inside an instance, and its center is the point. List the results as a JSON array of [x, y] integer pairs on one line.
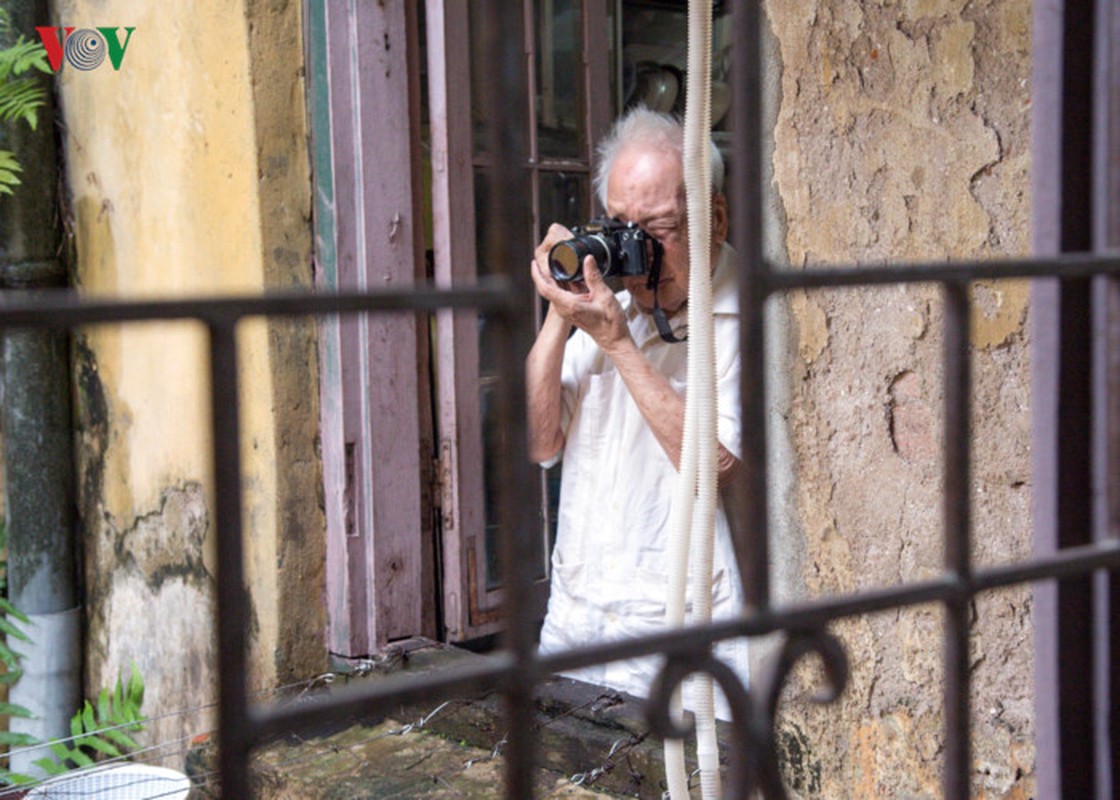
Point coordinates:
[[565, 259]]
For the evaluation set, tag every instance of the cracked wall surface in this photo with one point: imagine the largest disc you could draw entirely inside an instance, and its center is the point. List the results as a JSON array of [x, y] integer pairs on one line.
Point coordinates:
[[902, 136], [188, 174]]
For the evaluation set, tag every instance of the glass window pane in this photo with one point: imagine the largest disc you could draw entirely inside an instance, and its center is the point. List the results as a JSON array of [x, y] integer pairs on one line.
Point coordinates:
[[565, 198], [480, 77], [561, 108], [482, 220], [492, 427]]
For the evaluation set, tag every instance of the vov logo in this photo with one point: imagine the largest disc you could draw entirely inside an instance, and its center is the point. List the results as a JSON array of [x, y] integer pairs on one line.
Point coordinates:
[[84, 48]]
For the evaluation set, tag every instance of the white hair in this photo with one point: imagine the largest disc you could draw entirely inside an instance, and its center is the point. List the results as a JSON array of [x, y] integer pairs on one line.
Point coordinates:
[[643, 126]]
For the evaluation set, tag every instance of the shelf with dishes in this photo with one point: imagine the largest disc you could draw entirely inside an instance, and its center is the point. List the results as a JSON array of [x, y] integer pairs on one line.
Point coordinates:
[[652, 55]]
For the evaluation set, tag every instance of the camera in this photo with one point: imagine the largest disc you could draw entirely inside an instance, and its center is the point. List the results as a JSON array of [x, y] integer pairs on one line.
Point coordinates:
[[619, 248]]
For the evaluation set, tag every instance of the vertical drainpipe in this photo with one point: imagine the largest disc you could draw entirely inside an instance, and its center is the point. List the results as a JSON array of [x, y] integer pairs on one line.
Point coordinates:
[[35, 422]]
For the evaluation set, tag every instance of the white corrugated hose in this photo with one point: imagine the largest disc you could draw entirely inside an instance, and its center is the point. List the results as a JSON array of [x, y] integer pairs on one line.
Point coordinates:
[[692, 522]]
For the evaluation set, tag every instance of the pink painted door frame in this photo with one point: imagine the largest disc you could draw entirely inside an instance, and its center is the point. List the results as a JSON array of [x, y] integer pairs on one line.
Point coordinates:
[[375, 426]]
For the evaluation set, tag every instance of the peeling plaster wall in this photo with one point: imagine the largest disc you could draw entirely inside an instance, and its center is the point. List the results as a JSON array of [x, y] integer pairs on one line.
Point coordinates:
[[902, 135], [188, 174], [276, 53], [285, 173]]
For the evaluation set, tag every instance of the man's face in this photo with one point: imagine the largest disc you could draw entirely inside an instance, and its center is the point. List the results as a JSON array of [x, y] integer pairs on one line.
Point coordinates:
[[646, 186]]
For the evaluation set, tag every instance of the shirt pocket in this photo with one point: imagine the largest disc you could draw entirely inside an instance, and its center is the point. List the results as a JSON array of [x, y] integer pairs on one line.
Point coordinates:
[[640, 602], [637, 603], [568, 621]]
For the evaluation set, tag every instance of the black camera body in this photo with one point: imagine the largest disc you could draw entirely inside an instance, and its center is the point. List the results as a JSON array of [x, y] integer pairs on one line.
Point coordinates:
[[620, 249]]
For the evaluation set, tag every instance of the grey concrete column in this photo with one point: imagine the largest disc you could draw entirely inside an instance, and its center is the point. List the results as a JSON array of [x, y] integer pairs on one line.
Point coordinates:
[[35, 422]]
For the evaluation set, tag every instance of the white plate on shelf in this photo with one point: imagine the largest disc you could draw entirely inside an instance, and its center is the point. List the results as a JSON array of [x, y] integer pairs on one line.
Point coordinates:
[[656, 87]]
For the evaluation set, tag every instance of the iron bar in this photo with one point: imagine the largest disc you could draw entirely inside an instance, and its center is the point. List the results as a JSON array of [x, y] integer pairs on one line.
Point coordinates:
[[69, 310], [496, 670], [812, 614], [64, 309], [749, 496], [372, 698], [957, 525], [1073, 265], [1068, 562], [507, 131], [234, 731], [1080, 696], [499, 670]]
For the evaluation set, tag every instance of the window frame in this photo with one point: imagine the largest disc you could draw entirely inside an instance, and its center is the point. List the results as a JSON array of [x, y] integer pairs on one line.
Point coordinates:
[[472, 608], [365, 130]]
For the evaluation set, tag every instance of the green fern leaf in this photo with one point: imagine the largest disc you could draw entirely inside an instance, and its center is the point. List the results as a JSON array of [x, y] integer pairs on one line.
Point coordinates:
[[135, 696], [8, 628], [52, 767], [104, 707], [98, 730], [22, 57], [10, 677], [19, 99], [102, 746], [121, 739], [34, 58], [13, 739], [79, 759], [5, 605], [15, 710], [133, 700], [88, 720], [61, 751], [15, 778], [11, 660]]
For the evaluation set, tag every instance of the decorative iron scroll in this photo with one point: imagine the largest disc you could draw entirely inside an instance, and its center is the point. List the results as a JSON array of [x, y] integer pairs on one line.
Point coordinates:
[[753, 752]]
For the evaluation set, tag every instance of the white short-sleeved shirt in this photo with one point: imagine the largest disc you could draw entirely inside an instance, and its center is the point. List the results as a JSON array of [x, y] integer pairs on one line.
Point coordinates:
[[610, 570]]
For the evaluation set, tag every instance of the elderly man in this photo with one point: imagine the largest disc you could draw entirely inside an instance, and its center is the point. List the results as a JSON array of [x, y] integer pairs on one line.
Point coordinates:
[[609, 401]]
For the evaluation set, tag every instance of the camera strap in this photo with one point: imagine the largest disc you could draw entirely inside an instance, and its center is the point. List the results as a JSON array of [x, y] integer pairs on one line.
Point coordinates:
[[664, 329], [662, 323]]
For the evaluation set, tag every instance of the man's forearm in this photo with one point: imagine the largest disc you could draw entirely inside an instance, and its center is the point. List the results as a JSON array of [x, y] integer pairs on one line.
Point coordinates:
[[542, 377], [660, 406]]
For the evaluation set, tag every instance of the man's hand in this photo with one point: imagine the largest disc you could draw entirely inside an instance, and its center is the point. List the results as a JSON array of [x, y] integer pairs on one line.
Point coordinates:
[[593, 307], [589, 304]]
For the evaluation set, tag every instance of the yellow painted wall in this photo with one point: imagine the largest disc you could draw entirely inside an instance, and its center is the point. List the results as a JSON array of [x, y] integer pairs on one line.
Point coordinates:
[[166, 182]]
